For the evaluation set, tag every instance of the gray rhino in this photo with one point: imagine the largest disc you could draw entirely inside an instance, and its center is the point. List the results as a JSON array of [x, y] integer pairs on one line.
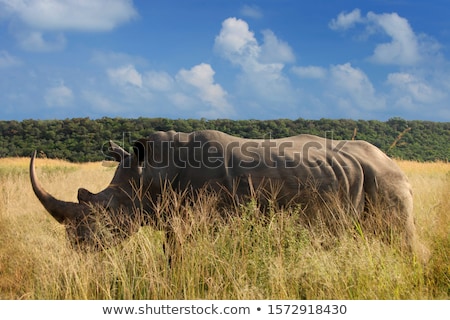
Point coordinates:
[[296, 169]]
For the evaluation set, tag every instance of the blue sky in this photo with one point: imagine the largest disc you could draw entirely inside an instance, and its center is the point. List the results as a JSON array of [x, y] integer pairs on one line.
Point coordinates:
[[236, 59]]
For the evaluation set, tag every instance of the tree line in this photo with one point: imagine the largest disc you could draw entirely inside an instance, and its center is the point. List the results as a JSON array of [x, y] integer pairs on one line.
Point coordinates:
[[85, 139]]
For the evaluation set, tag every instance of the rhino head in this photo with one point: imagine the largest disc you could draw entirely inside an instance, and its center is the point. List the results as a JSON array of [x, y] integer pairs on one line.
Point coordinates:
[[101, 219]]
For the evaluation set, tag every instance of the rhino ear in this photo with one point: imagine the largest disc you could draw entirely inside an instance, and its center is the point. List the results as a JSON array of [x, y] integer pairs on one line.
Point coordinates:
[[116, 151], [139, 149]]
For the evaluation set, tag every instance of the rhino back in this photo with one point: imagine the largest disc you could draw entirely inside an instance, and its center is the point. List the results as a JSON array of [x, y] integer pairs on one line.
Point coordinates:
[[296, 163]]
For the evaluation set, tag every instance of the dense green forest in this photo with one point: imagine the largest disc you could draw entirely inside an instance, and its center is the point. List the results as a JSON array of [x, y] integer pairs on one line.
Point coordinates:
[[84, 139]]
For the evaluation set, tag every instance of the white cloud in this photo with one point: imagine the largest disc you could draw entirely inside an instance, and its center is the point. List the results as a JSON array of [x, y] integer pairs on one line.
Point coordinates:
[[7, 60], [194, 89], [124, 76], [410, 87], [63, 15], [58, 96], [236, 42], [201, 77], [39, 25], [421, 83], [262, 80], [312, 72], [274, 50], [159, 81], [132, 90], [36, 42], [251, 11], [353, 86], [403, 48], [345, 20]]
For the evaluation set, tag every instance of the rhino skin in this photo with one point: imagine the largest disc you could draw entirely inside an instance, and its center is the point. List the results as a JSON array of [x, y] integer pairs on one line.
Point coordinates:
[[300, 166]]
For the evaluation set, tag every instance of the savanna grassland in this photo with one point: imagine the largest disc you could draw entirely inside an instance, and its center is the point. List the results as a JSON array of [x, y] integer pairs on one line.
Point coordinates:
[[244, 257]]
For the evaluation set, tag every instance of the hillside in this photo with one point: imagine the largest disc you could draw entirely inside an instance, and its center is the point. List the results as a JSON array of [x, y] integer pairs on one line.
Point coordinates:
[[84, 139]]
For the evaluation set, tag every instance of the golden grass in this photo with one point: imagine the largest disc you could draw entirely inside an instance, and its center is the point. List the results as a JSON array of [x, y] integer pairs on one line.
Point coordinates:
[[242, 258]]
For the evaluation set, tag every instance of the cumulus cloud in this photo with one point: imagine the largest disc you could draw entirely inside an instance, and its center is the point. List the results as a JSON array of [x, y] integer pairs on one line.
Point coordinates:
[[58, 96], [7, 60], [345, 20], [274, 50], [343, 89], [409, 89], [158, 80], [312, 72], [195, 88], [39, 25], [125, 75], [420, 84], [403, 48], [189, 89], [201, 77], [63, 15], [354, 88], [236, 42], [132, 89], [261, 64]]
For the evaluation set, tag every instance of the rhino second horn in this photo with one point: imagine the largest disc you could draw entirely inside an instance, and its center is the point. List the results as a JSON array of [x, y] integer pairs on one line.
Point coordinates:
[[62, 211]]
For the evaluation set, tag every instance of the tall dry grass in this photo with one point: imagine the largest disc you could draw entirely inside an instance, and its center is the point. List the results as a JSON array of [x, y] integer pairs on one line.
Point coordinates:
[[247, 256]]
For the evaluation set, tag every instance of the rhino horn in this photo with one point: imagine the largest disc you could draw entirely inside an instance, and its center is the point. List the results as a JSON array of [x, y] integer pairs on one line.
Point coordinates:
[[62, 211]]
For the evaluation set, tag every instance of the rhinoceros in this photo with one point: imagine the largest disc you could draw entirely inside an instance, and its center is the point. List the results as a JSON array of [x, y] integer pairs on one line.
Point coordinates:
[[358, 171]]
